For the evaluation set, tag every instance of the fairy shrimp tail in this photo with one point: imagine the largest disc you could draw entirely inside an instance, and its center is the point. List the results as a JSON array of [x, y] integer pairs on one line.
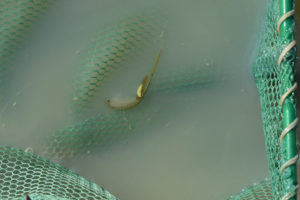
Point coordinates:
[[141, 88], [152, 73]]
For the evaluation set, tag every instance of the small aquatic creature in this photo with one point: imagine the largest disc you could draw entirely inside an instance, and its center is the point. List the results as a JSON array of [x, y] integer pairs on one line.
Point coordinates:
[[140, 93]]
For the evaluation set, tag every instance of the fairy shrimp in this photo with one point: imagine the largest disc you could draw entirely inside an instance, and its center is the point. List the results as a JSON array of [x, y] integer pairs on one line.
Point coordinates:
[[140, 93]]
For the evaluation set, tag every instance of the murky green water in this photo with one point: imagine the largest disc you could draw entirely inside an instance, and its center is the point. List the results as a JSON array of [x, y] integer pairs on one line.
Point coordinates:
[[198, 141]]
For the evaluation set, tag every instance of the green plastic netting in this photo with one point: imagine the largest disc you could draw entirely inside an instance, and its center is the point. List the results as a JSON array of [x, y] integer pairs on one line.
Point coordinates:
[[20, 172], [272, 83], [25, 173], [16, 20], [260, 191]]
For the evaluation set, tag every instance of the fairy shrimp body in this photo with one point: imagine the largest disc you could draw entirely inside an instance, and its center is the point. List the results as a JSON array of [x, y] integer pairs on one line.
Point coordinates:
[[141, 91]]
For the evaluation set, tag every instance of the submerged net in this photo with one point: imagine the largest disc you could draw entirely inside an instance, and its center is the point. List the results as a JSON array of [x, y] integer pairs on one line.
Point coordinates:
[[260, 191], [109, 48], [83, 137], [25, 173], [103, 130], [16, 20]]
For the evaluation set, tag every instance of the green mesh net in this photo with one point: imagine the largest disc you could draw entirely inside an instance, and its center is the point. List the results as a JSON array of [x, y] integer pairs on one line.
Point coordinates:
[[270, 81], [85, 136], [25, 173], [40, 197], [260, 191], [16, 20]]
